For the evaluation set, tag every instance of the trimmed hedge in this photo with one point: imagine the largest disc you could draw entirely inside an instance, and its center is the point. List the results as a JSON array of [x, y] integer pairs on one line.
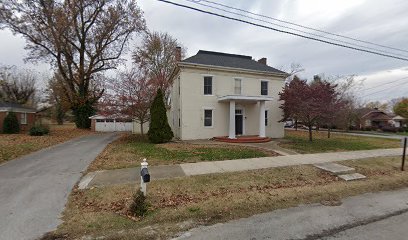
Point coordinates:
[[11, 124]]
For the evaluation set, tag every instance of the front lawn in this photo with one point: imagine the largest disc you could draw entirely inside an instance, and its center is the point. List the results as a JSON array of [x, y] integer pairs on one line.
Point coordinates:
[[129, 150], [16, 145], [299, 141], [183, 203]]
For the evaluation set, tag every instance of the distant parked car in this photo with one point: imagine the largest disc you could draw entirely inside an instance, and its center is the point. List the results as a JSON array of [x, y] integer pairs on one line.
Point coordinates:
[[289, 124], [306, 127]]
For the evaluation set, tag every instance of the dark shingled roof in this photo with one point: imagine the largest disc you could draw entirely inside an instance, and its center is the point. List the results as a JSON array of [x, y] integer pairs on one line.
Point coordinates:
[[229, 60]]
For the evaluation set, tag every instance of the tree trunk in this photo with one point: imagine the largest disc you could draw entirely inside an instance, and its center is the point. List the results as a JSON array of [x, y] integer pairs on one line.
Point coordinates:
[[60, 114], [296, 124], [310, 133], [82, 112], [141, 128], [328, 132]]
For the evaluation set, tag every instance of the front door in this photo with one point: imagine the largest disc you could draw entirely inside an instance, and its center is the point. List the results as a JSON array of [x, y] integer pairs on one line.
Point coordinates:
[[239, 122]]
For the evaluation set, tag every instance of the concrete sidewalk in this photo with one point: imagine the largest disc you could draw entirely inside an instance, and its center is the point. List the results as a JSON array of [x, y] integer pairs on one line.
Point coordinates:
[[132, 175]]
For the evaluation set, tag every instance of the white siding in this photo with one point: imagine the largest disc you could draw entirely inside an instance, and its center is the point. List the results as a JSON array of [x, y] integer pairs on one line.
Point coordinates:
[[192, 103]]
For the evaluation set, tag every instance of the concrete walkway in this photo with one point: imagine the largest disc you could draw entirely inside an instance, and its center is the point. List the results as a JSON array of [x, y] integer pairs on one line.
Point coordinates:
[[366, 217], [132, 175], [34, 189]]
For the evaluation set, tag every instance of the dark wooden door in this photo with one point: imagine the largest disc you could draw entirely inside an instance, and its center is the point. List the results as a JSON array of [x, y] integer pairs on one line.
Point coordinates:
[[239, 124]]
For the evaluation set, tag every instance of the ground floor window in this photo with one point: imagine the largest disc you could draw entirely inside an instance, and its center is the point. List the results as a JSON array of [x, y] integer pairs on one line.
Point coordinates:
[[23, 118], [266, 117], [208, 118]]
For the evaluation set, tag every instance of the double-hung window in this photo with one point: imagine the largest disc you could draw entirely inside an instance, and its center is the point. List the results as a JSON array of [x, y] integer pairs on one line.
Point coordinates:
[[264, 87], [238, 86], [208, 118], [23, 118], [208, 85]]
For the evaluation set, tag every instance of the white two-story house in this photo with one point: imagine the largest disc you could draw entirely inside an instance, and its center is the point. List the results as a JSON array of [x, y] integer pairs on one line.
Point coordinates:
[[218, 94]]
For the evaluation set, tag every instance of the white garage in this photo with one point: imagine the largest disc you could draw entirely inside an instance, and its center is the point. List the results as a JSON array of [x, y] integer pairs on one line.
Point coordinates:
[[111, 124]]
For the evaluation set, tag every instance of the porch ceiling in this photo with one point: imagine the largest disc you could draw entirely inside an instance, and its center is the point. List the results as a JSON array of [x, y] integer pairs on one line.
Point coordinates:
[[241, 98]]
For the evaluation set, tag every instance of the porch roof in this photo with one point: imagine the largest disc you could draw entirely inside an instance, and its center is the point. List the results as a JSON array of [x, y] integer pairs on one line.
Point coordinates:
[[242, 98]]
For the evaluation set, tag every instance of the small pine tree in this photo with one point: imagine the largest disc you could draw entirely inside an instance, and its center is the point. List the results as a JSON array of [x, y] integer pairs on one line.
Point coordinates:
[[159, 129], [11, 124], [139, 206]]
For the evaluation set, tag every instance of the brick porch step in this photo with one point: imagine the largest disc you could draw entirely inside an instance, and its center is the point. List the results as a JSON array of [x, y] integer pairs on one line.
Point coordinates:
[[243, 139]]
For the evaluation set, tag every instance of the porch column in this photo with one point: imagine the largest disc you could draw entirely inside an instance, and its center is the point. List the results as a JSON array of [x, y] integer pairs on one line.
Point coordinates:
[[261, 118], [231, 134]]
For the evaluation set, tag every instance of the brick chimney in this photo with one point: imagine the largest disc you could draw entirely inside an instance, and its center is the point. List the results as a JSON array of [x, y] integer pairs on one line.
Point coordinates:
[[262, 60], [178, 54]]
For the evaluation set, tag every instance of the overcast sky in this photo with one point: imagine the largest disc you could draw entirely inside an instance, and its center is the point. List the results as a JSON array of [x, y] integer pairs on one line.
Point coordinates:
[[382, 21]]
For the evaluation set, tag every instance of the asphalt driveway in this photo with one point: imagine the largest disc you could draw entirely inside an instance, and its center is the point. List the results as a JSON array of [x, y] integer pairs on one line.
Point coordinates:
[[34, 188]]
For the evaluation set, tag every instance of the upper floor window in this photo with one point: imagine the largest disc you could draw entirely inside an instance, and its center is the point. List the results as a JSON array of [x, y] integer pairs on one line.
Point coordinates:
[[23, 118], [264, 87], [238, 86], [208, 85]]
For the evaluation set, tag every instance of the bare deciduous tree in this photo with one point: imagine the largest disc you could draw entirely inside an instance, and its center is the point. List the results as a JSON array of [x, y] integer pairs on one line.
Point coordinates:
[[80, 38], [17, 86], [130, 95], [157, 57], [348, 88], [294, 69], [57, 98]]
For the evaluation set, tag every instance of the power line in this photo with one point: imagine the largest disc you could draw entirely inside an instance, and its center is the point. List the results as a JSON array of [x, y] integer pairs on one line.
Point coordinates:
[[282, 26], [283, 31], [384, 90], [385, 83], [302, 26]]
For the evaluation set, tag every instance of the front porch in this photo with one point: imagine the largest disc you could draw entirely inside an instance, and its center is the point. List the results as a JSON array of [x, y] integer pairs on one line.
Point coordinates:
[[237, 118]]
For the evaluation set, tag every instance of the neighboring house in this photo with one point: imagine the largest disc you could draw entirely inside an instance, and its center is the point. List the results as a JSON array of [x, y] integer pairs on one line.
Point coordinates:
[[111, 123], [25, 115], [219, 94], [377, 119], [398, 121]]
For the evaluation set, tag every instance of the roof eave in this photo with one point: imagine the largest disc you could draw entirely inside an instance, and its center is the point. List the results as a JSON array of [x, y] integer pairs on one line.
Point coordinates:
[[185, 64], [18, 110], [175, 71]]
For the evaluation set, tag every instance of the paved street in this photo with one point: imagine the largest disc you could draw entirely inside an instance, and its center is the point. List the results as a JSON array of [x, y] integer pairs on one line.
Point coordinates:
[[34, 189], [371, 216], [361, 134], [394, 228], [387, 136]]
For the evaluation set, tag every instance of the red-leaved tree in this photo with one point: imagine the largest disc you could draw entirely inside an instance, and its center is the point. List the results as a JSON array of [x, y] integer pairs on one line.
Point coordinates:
[[309, 103]]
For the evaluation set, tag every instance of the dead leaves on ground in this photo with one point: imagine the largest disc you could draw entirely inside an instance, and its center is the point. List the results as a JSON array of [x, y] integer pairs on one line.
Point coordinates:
[[16, 145], [180, 199]]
